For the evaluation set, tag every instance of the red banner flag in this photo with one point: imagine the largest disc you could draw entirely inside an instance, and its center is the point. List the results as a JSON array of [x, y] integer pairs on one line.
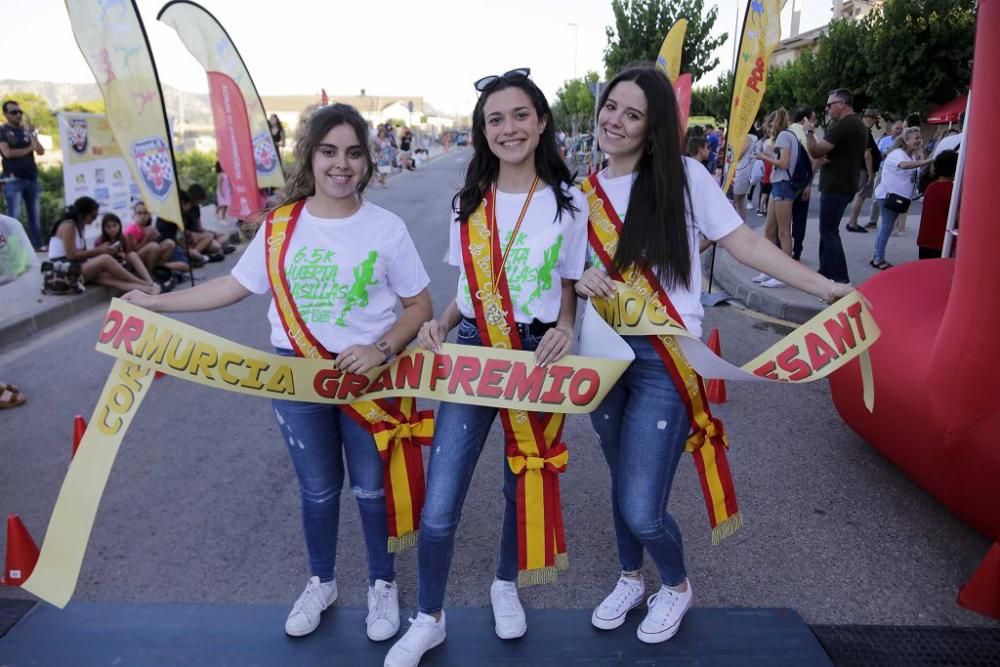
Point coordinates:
[[235, 145], [682, 89]]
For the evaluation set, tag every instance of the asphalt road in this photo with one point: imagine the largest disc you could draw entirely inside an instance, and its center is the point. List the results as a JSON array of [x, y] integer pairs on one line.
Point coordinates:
[[202, 503]]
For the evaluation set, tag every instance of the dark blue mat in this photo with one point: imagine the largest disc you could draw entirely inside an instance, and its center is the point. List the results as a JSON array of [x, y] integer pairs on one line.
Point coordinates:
[[243, 635]]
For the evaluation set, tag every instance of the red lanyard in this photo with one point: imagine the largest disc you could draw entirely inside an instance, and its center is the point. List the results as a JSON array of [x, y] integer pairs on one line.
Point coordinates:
[[495, 230]]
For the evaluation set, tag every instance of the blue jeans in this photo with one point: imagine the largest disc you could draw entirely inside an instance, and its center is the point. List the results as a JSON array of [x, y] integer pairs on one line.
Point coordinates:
[[27, 189], [643, 425], [800, 214], [315, 434], [884, 230], [460, 431], [832, 262]]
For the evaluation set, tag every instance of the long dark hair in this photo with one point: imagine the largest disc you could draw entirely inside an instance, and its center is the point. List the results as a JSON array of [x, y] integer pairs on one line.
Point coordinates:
[[484, 165], [656, 232], [76, 212], [104, 238], [301, 183]]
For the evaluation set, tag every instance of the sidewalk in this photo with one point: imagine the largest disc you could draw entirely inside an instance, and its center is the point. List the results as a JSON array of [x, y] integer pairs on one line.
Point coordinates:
[[24, 310], [790, 304]]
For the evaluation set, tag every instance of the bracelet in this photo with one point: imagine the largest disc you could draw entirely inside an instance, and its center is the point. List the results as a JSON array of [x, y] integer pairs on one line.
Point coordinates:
[[829, 296]]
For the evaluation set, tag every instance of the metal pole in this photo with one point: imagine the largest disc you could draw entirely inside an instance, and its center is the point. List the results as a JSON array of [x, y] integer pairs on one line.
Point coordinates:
[[951, 229]]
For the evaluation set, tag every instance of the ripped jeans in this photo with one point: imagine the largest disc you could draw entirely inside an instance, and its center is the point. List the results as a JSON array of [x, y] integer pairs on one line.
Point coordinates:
[[643, 425], [315, 434]]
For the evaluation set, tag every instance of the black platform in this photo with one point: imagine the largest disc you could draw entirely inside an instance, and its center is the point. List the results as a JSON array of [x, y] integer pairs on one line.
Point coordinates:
[[243, 635]]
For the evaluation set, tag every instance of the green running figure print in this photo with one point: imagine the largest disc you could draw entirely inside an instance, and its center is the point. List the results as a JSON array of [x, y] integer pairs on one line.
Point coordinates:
[[358, 294]]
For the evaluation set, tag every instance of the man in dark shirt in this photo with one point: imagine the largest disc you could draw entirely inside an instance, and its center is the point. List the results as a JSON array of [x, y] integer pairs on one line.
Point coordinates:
[[843, 148], [18, 145]]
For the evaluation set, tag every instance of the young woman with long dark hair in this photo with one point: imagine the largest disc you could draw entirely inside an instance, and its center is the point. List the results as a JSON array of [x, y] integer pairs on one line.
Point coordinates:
[[656, 201], [347, 264], [519, 209]]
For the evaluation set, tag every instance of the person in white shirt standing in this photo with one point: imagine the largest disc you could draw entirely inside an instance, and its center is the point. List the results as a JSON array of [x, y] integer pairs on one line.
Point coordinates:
[[347, 263], [658, 202], [520, 192]]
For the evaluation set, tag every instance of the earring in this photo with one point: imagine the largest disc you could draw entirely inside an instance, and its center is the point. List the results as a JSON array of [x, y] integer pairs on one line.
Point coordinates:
[[649, 147]]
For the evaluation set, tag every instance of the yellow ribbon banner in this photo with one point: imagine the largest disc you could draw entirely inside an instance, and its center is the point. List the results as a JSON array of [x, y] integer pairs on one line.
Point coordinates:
[[143, 342], [825, 343]]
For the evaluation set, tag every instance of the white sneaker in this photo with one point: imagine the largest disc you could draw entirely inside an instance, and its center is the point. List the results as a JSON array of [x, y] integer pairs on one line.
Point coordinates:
[[304, 617], [424, 634], [772, 282], [627, 595], [666, 609], [383, 610], [761, 277], [508, 614]]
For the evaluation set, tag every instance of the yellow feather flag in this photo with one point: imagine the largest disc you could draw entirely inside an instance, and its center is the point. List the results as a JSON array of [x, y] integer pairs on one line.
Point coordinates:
[[210, 44], [669, 59], [761, 33], [113, 42]]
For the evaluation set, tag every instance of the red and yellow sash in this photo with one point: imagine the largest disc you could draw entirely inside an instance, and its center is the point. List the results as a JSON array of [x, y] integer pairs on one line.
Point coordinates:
[[533, 441], [707, 442], [398, 428]]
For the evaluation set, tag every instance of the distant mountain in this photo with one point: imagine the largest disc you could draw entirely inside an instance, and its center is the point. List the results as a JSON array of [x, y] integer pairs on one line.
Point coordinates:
[[197, 110]]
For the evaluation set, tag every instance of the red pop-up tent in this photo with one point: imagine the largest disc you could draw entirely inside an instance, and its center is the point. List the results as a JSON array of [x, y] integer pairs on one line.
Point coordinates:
[[948, 112]]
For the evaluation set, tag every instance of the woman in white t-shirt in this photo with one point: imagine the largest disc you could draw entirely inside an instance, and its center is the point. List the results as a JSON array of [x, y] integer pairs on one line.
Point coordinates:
[[898, 184], [347, 263], [663, 201], [541, 221]]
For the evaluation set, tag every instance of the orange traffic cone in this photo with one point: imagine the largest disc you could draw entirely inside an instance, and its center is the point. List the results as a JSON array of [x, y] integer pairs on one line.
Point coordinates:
[[982, 592], [22, 553], [79, 428], [716, 389]]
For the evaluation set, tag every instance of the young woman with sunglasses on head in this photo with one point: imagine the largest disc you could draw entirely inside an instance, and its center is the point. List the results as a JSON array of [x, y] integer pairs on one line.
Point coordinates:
[[656, 201], [518, 198], [343, 263]]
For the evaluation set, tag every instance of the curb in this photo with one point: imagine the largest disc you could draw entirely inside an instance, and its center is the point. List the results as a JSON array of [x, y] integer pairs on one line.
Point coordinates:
[[759, 299], [20, 329]]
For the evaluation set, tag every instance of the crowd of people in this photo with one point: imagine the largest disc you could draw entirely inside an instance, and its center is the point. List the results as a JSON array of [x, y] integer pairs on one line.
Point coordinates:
[[779, 156]]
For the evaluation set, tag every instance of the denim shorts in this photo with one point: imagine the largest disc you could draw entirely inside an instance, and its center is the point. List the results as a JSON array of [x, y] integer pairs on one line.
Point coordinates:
[[783, 190]]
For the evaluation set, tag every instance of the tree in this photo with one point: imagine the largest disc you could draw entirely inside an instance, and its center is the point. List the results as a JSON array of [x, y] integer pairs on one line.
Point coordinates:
[[713, 100], [794, 85], [840, 62], [574, 106], [641, 25], [87, 106], [37, 109], [923, 49]]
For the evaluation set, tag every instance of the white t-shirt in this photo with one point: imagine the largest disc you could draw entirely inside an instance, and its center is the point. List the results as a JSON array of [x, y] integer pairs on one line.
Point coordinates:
[[545, 251], [345, 275], [895, 180], [709, 213], [788, 143]]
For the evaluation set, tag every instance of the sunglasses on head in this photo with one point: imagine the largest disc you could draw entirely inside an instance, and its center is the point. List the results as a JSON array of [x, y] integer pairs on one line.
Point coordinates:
[[487, 82]]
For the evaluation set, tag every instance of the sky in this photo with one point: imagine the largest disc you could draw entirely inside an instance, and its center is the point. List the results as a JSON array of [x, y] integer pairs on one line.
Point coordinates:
[[432, 48]]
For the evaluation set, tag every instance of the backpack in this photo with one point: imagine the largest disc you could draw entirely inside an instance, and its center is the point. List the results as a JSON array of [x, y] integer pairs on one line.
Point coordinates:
[[802, 175]]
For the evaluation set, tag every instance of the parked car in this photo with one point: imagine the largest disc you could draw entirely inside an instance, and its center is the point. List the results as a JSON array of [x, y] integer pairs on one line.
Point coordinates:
[[462, 139]]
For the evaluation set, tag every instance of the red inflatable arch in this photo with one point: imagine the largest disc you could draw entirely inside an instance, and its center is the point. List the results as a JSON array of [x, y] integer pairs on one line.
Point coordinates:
[[937, 364]]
